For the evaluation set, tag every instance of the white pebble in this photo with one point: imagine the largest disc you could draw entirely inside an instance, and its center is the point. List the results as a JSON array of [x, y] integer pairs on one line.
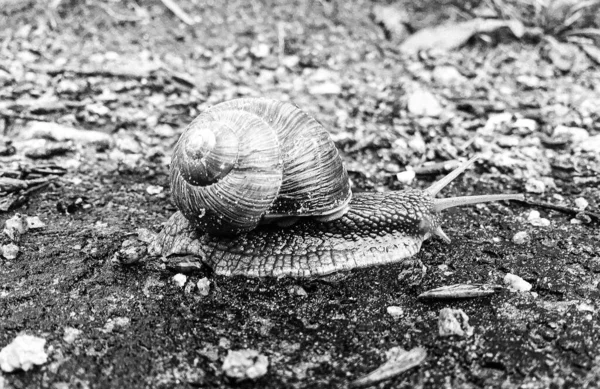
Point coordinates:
[[540, 222], [454, 322], [245, 364], [520, 237], [515, 282], [575, 134], [424, 103], [533, 215], [406, 177], [203, 285], [297, 290], [34, 222], [535, 186], [395, 312], [581, 203], [528, 124], [22, 353], [180, 279], [10, 251], [71, 334], [15, 227], [154, 189]]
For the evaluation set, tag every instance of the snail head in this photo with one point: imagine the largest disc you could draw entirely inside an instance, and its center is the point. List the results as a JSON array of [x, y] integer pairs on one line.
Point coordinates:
[[430, 221]]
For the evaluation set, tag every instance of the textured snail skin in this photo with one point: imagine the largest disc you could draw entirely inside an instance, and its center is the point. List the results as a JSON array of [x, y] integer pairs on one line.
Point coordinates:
[[378, 228]]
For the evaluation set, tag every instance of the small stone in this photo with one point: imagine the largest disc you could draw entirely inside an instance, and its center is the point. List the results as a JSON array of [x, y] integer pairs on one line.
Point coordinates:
[[71, 334], [22, 353], [528, 125], [417, 144], [528, 81], [34, 222], [508, 141], [581, 203], [203, 285], [180, 279], [297, 290], [515, 282], [245, 364], [10, 251], [574, 134], [424, 103], [15, 227], [497, 121], [541, 222], [116, 322], [260, 50], [406, 177], [325, 88], [454, 322], [164, 131], [154, 189], [535, 219], [535, 186], [447, 75], [592, 144], [520, 237], [131, 251], [395, 312]]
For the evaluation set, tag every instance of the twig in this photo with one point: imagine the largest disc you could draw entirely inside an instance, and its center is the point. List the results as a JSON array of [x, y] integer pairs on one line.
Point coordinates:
[[171, 5], [561, 208]]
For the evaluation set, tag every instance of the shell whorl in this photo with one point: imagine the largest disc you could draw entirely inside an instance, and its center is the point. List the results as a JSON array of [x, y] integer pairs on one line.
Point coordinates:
[[246, 160]]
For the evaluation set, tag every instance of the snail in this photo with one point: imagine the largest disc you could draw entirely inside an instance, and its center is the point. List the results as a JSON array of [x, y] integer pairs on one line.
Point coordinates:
[[262, 191]]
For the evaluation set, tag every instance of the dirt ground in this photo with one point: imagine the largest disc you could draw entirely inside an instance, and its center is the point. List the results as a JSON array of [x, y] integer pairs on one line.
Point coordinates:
[[137, 74]]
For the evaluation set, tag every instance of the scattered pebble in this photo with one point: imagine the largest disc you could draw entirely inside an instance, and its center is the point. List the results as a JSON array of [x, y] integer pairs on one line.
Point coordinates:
[[22, 353], [529, 125], [203, 285], [574, 134], [535, 220], [398, 361], [520, 237], [131, 251], [15, 227], [497, 121], [154, 189], [34, 222], [534, 185], [406, 177], [515, 282], [447, 75], [395, 312], [454, 322], [180, 279], [592, 144], [297, 290], [245, 364], [116, 322], [164, 131], [60, 132], [424, 103], [71, 334], [325, 88], [260, 50], [581, 203], [10, 251], [585, 307]]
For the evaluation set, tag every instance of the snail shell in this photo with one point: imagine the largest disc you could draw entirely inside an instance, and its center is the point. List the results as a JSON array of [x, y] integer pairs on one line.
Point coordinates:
[[255, 160]]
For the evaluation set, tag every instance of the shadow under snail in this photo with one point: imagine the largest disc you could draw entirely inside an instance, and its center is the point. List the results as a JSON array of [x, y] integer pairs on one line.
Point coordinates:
[[262, 191]]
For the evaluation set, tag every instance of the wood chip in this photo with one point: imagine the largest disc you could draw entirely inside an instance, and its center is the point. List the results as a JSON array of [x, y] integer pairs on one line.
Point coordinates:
[[399, 361], [460, 291]]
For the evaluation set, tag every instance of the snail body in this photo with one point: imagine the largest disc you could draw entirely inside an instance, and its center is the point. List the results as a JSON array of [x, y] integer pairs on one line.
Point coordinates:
[[324, 229]]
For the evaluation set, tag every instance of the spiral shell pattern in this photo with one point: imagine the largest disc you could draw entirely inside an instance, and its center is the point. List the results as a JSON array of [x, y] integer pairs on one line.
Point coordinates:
[[249, 159]]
